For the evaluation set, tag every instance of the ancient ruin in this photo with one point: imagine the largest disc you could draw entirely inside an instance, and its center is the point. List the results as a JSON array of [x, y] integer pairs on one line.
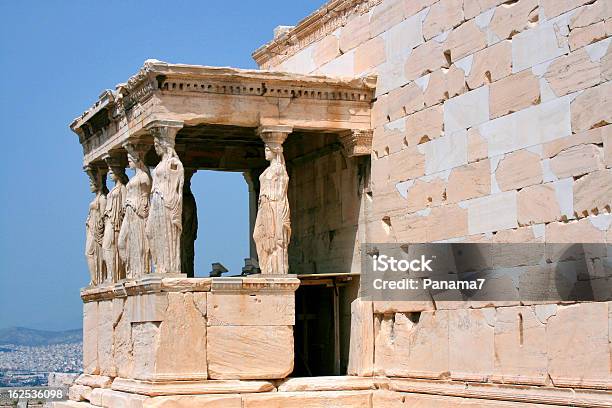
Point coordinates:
[[370, 121]]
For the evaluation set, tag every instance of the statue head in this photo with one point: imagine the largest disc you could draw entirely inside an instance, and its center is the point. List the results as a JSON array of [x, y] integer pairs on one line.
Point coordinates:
[[164, 146], [135, 155], [274, 152], [97, 179], [117, 174]]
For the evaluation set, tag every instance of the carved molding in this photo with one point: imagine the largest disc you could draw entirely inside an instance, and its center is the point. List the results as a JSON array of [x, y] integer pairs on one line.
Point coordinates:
[[322, 22], [357, 142], [275, 134]]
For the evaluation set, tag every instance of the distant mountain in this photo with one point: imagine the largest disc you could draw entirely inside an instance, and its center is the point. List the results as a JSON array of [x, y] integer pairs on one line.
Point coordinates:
[[22, 336]]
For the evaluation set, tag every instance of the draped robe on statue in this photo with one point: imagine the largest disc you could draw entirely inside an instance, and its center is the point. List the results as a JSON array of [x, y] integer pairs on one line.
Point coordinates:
[[272, 226], [113, 216], [164, 224], [94, 231], [133, 245]]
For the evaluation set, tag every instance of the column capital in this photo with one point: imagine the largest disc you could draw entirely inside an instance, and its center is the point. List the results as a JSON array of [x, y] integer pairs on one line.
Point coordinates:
[[274, 133], [115, 159], [164, 129], [357, 142]]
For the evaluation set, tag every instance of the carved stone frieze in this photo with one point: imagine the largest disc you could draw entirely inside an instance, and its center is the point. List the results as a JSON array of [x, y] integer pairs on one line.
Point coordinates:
[[357, 142]]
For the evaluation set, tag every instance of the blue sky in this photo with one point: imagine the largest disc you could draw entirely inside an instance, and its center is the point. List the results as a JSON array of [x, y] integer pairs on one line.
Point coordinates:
[[56, 57]]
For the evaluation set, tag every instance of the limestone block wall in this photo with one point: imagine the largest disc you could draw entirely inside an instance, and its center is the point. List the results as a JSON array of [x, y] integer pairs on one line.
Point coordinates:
[[492, 122]]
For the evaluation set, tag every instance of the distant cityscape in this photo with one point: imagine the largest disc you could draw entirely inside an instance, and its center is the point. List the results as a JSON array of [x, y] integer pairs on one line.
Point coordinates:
[[26, 358]]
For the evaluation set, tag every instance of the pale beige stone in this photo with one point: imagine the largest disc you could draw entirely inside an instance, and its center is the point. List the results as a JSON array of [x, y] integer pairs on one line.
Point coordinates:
[[122, 338], [249, 352], [593, 193], [380, 111], [582, 36], [425, 193], [145, 338], [90, 338], [490, 65], [607, 145], [402, 306], [79, 392], [411, 7], [244, 309], [159, 388], [467, 110], [469, 181], [355, 32], [465, 40], [513, 93], [520, 346], [577, 161], [405, 348], [553, 8], [592, 108], [116, 399], [510, 19], [326, 50], [361, 350], [472, 8], [387, 399], [606, 61], [447, 221], [572, 73], [442, 16], [106, 323], [518, 169], [495, 212], [94, 381], [538, 204], [437, 90], [385, 15], [477, 146], [539, 44], [424, 125], [424, 59], [199, 401], [369, 55], [389, 138], [583, 329], [471, 344], [590, 14], [322, 399], [455, 81], [147, 308], [329, 383], [518, 235], [594, 136], [573, 231], [405, 100], [406, 164]]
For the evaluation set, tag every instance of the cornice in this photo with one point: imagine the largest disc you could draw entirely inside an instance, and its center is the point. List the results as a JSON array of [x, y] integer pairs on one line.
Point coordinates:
[[322, 22]]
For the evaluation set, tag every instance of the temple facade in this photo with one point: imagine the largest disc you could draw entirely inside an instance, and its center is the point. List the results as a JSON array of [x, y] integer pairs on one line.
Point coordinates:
[[371, 121]]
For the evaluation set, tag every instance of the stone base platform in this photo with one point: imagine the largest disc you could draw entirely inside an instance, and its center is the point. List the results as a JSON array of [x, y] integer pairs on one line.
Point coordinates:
[[324, 392]]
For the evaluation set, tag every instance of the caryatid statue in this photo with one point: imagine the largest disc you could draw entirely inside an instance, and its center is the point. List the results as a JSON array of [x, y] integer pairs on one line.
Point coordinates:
[[94, 226], [272, 231], [190, 226], [164, 224], [113, 217], [133, 244]]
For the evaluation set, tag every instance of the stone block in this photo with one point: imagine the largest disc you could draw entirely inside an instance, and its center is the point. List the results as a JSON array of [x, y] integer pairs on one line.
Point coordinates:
[[249, 352], [553, 8], [572, 73], [106, 324], [90, 338], [555, 147], [147, 308], [301, 62], [520, 346], [326, 50], [405, 100], [577, 161], [322, 399], [518, 169], [406, 164], [490, 65], [369, 55], [191, 401], [510, 19], [78, 392], [342, 66], [538, 204], [361, 350], [446, 222], [465, 40], [477, 146], [472, 8], [123, 357], [471, 344], [404, 36], [424, 59], [116, 399], [424, 125], [583, 330], [590, 14], [94, 381], [436, 91], [467, 110], [513, 93], [492, 213], [592, 108], [386, 15], [145, 337], [469, 181], [537, 45], [593, 193], [412, 7], [442, 16], [425, 193], [328, 383], [607, 145], [355, 32], [407, 346], [455, 81], [380, 111], [255, 309], [446, 152], [573, 231], [582, 36]]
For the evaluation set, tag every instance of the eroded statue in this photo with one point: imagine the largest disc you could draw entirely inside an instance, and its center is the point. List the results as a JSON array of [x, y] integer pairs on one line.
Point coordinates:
[[113, 217], [133, 245], [272, 231], [164, 224], [94, 226], [190, 226]]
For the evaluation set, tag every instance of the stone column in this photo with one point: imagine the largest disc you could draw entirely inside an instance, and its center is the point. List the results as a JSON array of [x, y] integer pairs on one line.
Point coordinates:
[[249, 177], [272, 232], [190, 226], [164, 224], [94, 226]]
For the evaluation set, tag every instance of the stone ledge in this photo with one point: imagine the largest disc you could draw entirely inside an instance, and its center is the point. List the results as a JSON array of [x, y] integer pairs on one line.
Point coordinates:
[[159, 388], [332, 383]]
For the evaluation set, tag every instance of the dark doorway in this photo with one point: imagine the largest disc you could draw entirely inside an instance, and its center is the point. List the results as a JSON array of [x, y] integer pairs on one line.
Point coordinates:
[[323, 323]]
